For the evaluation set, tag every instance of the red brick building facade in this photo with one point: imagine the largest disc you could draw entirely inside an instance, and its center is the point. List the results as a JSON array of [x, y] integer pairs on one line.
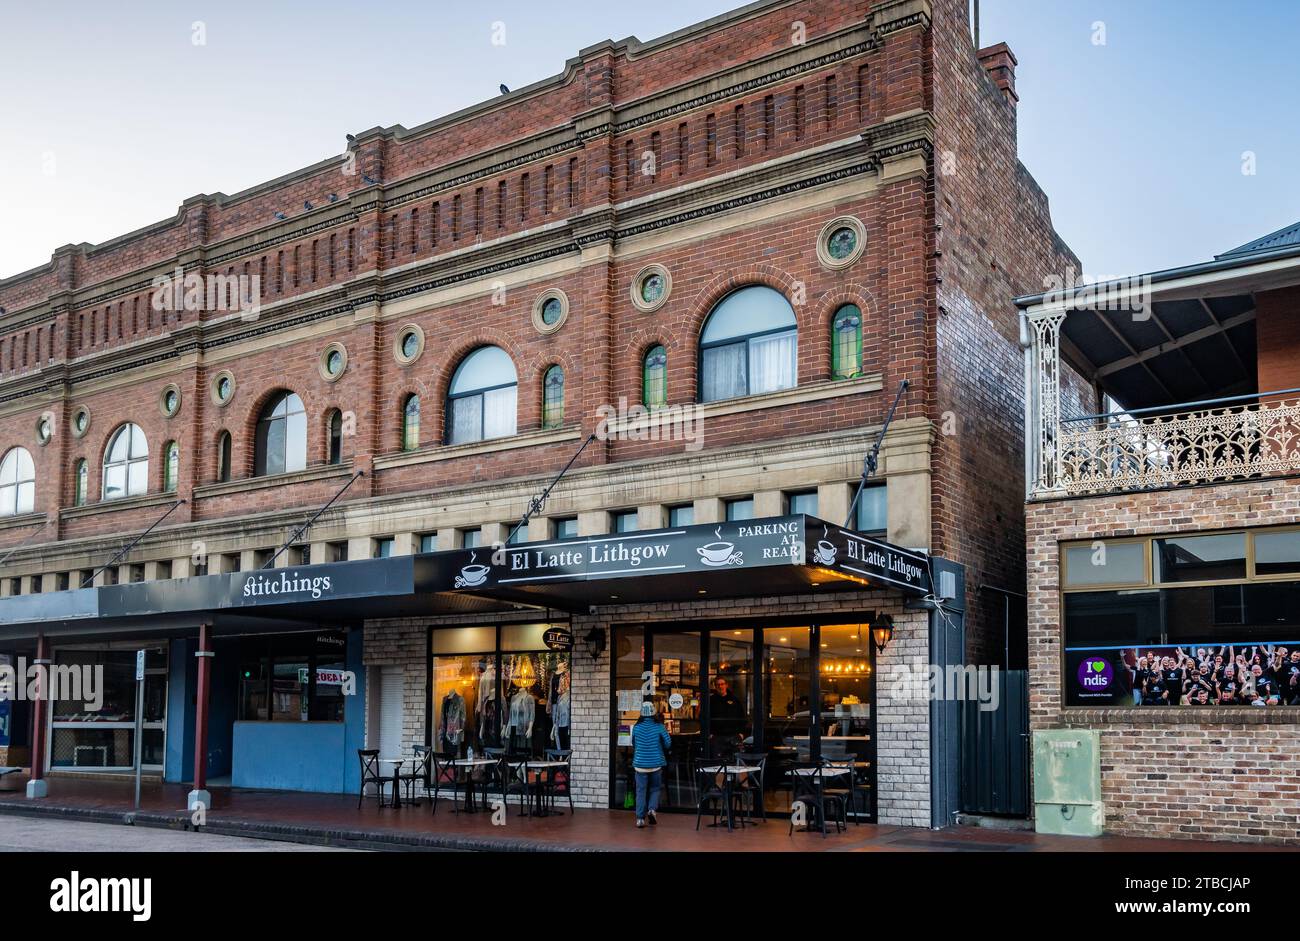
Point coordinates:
[[723, 156]]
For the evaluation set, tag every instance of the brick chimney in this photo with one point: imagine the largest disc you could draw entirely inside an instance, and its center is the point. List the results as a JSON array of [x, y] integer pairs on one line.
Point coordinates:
[[1000, 63]]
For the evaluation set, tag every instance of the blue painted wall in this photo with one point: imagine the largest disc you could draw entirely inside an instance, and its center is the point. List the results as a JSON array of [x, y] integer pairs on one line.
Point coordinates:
[[290, 756], [179, 763]]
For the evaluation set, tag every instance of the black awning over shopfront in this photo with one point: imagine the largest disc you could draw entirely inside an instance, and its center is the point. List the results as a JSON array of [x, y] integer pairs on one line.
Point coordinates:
[[763, 557]]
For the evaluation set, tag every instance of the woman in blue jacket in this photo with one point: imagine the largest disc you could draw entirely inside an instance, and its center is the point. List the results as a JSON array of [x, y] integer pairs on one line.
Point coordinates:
[[650, 743]]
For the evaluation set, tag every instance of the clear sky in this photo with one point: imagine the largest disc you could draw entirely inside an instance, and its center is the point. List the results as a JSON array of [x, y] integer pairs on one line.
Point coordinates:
[[111, 115]]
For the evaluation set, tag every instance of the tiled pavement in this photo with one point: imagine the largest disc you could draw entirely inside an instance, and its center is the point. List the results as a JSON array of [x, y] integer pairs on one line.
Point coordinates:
[[335, 820]]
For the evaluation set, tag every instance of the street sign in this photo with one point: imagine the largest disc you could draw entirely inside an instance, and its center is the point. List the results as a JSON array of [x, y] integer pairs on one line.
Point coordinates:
[[139, 665]]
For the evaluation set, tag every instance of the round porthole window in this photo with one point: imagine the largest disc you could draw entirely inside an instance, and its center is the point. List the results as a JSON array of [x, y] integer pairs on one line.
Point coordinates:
[[81, 421], [650, 288], [841, 242], [223, 388], [550, 310], [408, 344], [333, 362], [44, 430], [170, 401]]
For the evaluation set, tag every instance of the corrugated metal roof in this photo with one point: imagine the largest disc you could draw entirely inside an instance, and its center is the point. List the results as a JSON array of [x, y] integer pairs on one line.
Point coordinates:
[[1282, 238]]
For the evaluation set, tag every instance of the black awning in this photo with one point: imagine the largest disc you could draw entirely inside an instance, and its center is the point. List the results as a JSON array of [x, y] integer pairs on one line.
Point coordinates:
[[764, 557], [773, 556]]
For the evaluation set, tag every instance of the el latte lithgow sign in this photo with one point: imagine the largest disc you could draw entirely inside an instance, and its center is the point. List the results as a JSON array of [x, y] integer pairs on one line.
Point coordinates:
[[736, 545]]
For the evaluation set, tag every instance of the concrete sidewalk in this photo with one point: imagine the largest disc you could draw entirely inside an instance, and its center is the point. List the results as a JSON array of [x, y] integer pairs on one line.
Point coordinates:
[[335, 820]]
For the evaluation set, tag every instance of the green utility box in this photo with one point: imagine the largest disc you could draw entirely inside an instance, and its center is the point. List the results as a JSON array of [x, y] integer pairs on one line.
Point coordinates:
[[1067, 782]]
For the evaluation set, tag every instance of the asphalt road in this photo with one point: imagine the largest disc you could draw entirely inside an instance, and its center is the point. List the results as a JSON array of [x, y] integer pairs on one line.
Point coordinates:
[[42, 834]]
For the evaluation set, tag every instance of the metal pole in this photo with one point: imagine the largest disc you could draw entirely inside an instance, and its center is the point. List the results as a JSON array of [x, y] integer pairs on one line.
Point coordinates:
[[873, 456], [139, 722], [315, 516]]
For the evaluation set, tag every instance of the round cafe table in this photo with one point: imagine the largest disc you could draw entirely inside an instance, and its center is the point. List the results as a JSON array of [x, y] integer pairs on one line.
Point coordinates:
[[466, 768], [731, 774], [549, 767]]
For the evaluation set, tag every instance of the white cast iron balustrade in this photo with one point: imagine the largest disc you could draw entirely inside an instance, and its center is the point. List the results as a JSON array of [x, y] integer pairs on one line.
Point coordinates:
[[1233, 443]]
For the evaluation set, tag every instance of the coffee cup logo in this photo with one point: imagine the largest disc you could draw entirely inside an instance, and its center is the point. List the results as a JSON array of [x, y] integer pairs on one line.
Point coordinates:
[[472, 575], [720, 552], [1095, 674]]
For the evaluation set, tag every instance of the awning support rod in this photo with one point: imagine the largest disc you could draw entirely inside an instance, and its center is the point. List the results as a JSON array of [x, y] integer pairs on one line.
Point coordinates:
[[89, 579], [535, 504], [873, 456], [314, 517]]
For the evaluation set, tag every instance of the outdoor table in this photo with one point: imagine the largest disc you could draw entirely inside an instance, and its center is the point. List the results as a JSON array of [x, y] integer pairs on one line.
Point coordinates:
[[730, 774], [833, 772], [397, 781], [548, 766], [466, 767]]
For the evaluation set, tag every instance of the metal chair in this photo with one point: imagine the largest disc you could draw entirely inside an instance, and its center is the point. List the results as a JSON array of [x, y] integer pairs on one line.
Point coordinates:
[[710, 792], [370, 774], [554, 787], [511, 781], [810, 789], [753, 786], [846, 786], [419, 772], [442, 772]]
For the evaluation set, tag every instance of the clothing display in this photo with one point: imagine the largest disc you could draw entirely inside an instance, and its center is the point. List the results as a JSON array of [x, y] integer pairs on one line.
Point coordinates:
[[453, 722]]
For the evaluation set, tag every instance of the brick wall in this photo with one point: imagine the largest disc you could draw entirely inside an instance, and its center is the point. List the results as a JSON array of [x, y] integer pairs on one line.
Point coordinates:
[[1221, 774]]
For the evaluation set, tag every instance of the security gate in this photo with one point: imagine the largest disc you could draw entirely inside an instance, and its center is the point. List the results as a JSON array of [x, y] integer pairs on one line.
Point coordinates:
[[995, 750]]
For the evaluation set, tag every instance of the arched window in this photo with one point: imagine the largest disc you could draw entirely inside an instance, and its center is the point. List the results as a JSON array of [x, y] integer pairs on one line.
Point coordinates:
[[411, 423], [126, 463], [749, 345], [654, 377], [171, 466], [81, 477], [481, 402], [553, 398], [281, 436], [336, 437], [846, 343], [17, 483], [223, 457]]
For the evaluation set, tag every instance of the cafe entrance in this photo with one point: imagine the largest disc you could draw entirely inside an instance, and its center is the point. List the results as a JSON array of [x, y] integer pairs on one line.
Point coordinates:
[[787, 690]]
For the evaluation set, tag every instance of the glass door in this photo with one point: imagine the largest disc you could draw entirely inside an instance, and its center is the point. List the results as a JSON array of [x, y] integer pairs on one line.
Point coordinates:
[[678, 696], [789, 697], [847, 693]]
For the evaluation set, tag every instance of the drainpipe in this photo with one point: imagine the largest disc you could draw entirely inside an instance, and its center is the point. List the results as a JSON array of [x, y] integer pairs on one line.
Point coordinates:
[[37, 786]]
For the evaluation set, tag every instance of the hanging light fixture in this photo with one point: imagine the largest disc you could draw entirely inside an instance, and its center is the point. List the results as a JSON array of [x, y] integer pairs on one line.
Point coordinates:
[[882, 631]]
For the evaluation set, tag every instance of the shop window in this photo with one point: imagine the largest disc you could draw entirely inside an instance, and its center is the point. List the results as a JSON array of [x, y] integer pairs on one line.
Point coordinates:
[[1105, 563], [336, 437], [740, 509], [223, 457], [429, 542], [81, 476], [292, 678], [470, 538], [299, 555], [61, 581], [232, 562], [281, 443], [683, 515], [1277, 553], [261, 557], [515, 536], [1226, 645], [383, 548], [624, 521], [110, 575], [846, 343], [171, 466], [126, 463], [1214, 557], [487, 693], [481, 401], [136, 572], [805, 501], [873, 510], [566, 527], [654, 378], [553, 398], [749, 345], [98, 732], [164, 569], [336, 551], [15, 586], [411, 423]]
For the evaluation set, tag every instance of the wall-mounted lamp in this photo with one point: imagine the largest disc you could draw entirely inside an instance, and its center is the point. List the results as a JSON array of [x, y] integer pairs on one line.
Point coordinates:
[[595, 641], [882, 631]]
